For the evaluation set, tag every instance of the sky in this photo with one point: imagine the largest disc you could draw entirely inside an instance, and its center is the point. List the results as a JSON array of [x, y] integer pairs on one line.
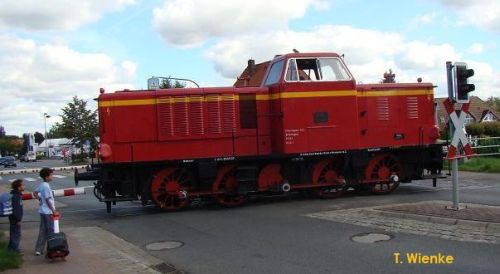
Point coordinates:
[[53, 50]]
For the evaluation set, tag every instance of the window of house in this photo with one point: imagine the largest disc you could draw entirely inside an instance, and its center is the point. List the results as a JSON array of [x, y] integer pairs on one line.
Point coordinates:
[[316, 69], [489, 118], [469, 119]]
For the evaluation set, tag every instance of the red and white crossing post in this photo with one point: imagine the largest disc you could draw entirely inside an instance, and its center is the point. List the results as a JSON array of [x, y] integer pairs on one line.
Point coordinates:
[[458, 92]]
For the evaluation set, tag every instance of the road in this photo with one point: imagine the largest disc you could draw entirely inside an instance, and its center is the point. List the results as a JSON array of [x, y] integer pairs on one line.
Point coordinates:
[[38, 163], [278, 235]]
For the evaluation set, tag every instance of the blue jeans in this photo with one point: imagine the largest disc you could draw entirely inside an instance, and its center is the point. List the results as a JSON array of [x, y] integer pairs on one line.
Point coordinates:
[[15, 236], [46, 231]]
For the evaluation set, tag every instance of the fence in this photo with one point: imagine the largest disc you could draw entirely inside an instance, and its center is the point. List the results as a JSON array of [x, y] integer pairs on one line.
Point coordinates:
[[485, 146]]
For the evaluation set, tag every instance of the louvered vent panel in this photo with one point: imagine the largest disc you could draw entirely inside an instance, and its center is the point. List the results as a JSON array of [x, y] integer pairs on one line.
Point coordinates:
[[165, 127], [412, 107], [383, 109], [181, 123], [196, 115], [214, 113], [229, 113]]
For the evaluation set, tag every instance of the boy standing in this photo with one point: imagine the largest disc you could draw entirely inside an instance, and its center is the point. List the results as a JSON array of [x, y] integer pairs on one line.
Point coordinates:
[[47, 209], [17, 216]]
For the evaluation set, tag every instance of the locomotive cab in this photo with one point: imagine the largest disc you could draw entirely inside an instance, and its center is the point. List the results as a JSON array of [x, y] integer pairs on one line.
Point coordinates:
[[316, 109]]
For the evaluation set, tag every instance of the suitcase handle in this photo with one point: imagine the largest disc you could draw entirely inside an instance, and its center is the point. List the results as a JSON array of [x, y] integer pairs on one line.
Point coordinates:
[[55, 218]]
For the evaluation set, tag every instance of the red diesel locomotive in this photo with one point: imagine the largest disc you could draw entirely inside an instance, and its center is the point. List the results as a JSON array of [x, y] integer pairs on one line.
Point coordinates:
[[307, 125]]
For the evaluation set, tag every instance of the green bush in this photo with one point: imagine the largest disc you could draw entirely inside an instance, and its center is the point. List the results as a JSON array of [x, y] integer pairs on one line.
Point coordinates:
[[492, 129], [475, 129], [79, 158], [8, 260], [445, 134]]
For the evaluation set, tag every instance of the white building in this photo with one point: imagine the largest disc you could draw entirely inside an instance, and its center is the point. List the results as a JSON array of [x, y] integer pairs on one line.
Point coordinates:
[[61, 147]]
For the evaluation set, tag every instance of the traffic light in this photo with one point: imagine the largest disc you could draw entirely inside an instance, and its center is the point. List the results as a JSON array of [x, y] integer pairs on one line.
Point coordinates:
[[462, 87]]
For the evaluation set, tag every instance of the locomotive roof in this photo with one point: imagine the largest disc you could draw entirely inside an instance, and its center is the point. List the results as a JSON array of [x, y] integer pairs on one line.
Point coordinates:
[[253, 74], [306, 54]]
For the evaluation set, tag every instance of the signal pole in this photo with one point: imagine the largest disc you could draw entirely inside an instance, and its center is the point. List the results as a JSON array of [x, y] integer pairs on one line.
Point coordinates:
[[454, 161], [458, 89]]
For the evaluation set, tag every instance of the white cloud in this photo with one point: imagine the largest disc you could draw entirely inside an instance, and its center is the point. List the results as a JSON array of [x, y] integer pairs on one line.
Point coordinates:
[[188, 23], [239, 30], [483, 13], [242, 30], [476, 48], [424, 19], [43, 78], [486, 79], [368, 53], [421, 55], [55, 14]]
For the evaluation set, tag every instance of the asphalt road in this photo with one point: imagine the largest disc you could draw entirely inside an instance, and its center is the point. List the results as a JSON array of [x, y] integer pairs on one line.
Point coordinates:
[[38, 163], [274, 235]]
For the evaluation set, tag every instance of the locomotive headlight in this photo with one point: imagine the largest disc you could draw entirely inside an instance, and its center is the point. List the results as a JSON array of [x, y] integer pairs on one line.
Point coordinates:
[[105, 151]]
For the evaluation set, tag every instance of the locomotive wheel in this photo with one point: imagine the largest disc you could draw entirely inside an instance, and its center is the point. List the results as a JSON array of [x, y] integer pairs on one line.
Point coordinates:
[[328, 172], [169, 188], [228, 183], [381, 167]]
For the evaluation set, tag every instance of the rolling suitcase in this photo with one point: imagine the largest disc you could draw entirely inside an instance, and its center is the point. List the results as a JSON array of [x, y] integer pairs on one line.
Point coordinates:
[[57, 244]]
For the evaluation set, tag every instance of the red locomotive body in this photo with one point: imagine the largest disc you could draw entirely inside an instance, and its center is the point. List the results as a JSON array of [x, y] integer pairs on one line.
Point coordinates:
[[308, 126]]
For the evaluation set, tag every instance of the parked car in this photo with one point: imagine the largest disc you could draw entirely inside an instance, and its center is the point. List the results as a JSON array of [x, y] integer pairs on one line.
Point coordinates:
[[8, 161], [28, 157], [58, 156]]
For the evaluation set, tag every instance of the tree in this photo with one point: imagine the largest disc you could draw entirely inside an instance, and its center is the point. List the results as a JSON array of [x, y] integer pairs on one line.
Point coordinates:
[[57, 131], [79, 123], [10, 145], [389, 77], [38, 137], [24, 150], [494, 102], [168, 83]]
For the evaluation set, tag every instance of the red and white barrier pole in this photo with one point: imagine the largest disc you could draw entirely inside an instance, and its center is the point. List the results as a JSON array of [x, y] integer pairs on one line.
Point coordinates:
[[68, 191], [58, 193]]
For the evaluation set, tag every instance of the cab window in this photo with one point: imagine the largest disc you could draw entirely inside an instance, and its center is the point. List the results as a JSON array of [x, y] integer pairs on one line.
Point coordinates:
[[316, 69], [274, 73]]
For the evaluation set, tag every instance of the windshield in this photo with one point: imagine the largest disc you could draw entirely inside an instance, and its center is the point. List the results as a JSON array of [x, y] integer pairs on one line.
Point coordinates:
[[274, 73], [316, 69]]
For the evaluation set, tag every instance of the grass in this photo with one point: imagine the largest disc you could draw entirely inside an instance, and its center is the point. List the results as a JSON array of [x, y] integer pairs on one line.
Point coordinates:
[[481, 164], [478, 164], [8, 260]]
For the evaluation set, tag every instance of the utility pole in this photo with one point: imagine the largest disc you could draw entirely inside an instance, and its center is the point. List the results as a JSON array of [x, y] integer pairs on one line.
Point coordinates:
[[45, 116]]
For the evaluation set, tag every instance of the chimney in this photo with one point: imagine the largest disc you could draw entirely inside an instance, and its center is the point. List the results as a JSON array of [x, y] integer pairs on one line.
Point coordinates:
[[251, 67]]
